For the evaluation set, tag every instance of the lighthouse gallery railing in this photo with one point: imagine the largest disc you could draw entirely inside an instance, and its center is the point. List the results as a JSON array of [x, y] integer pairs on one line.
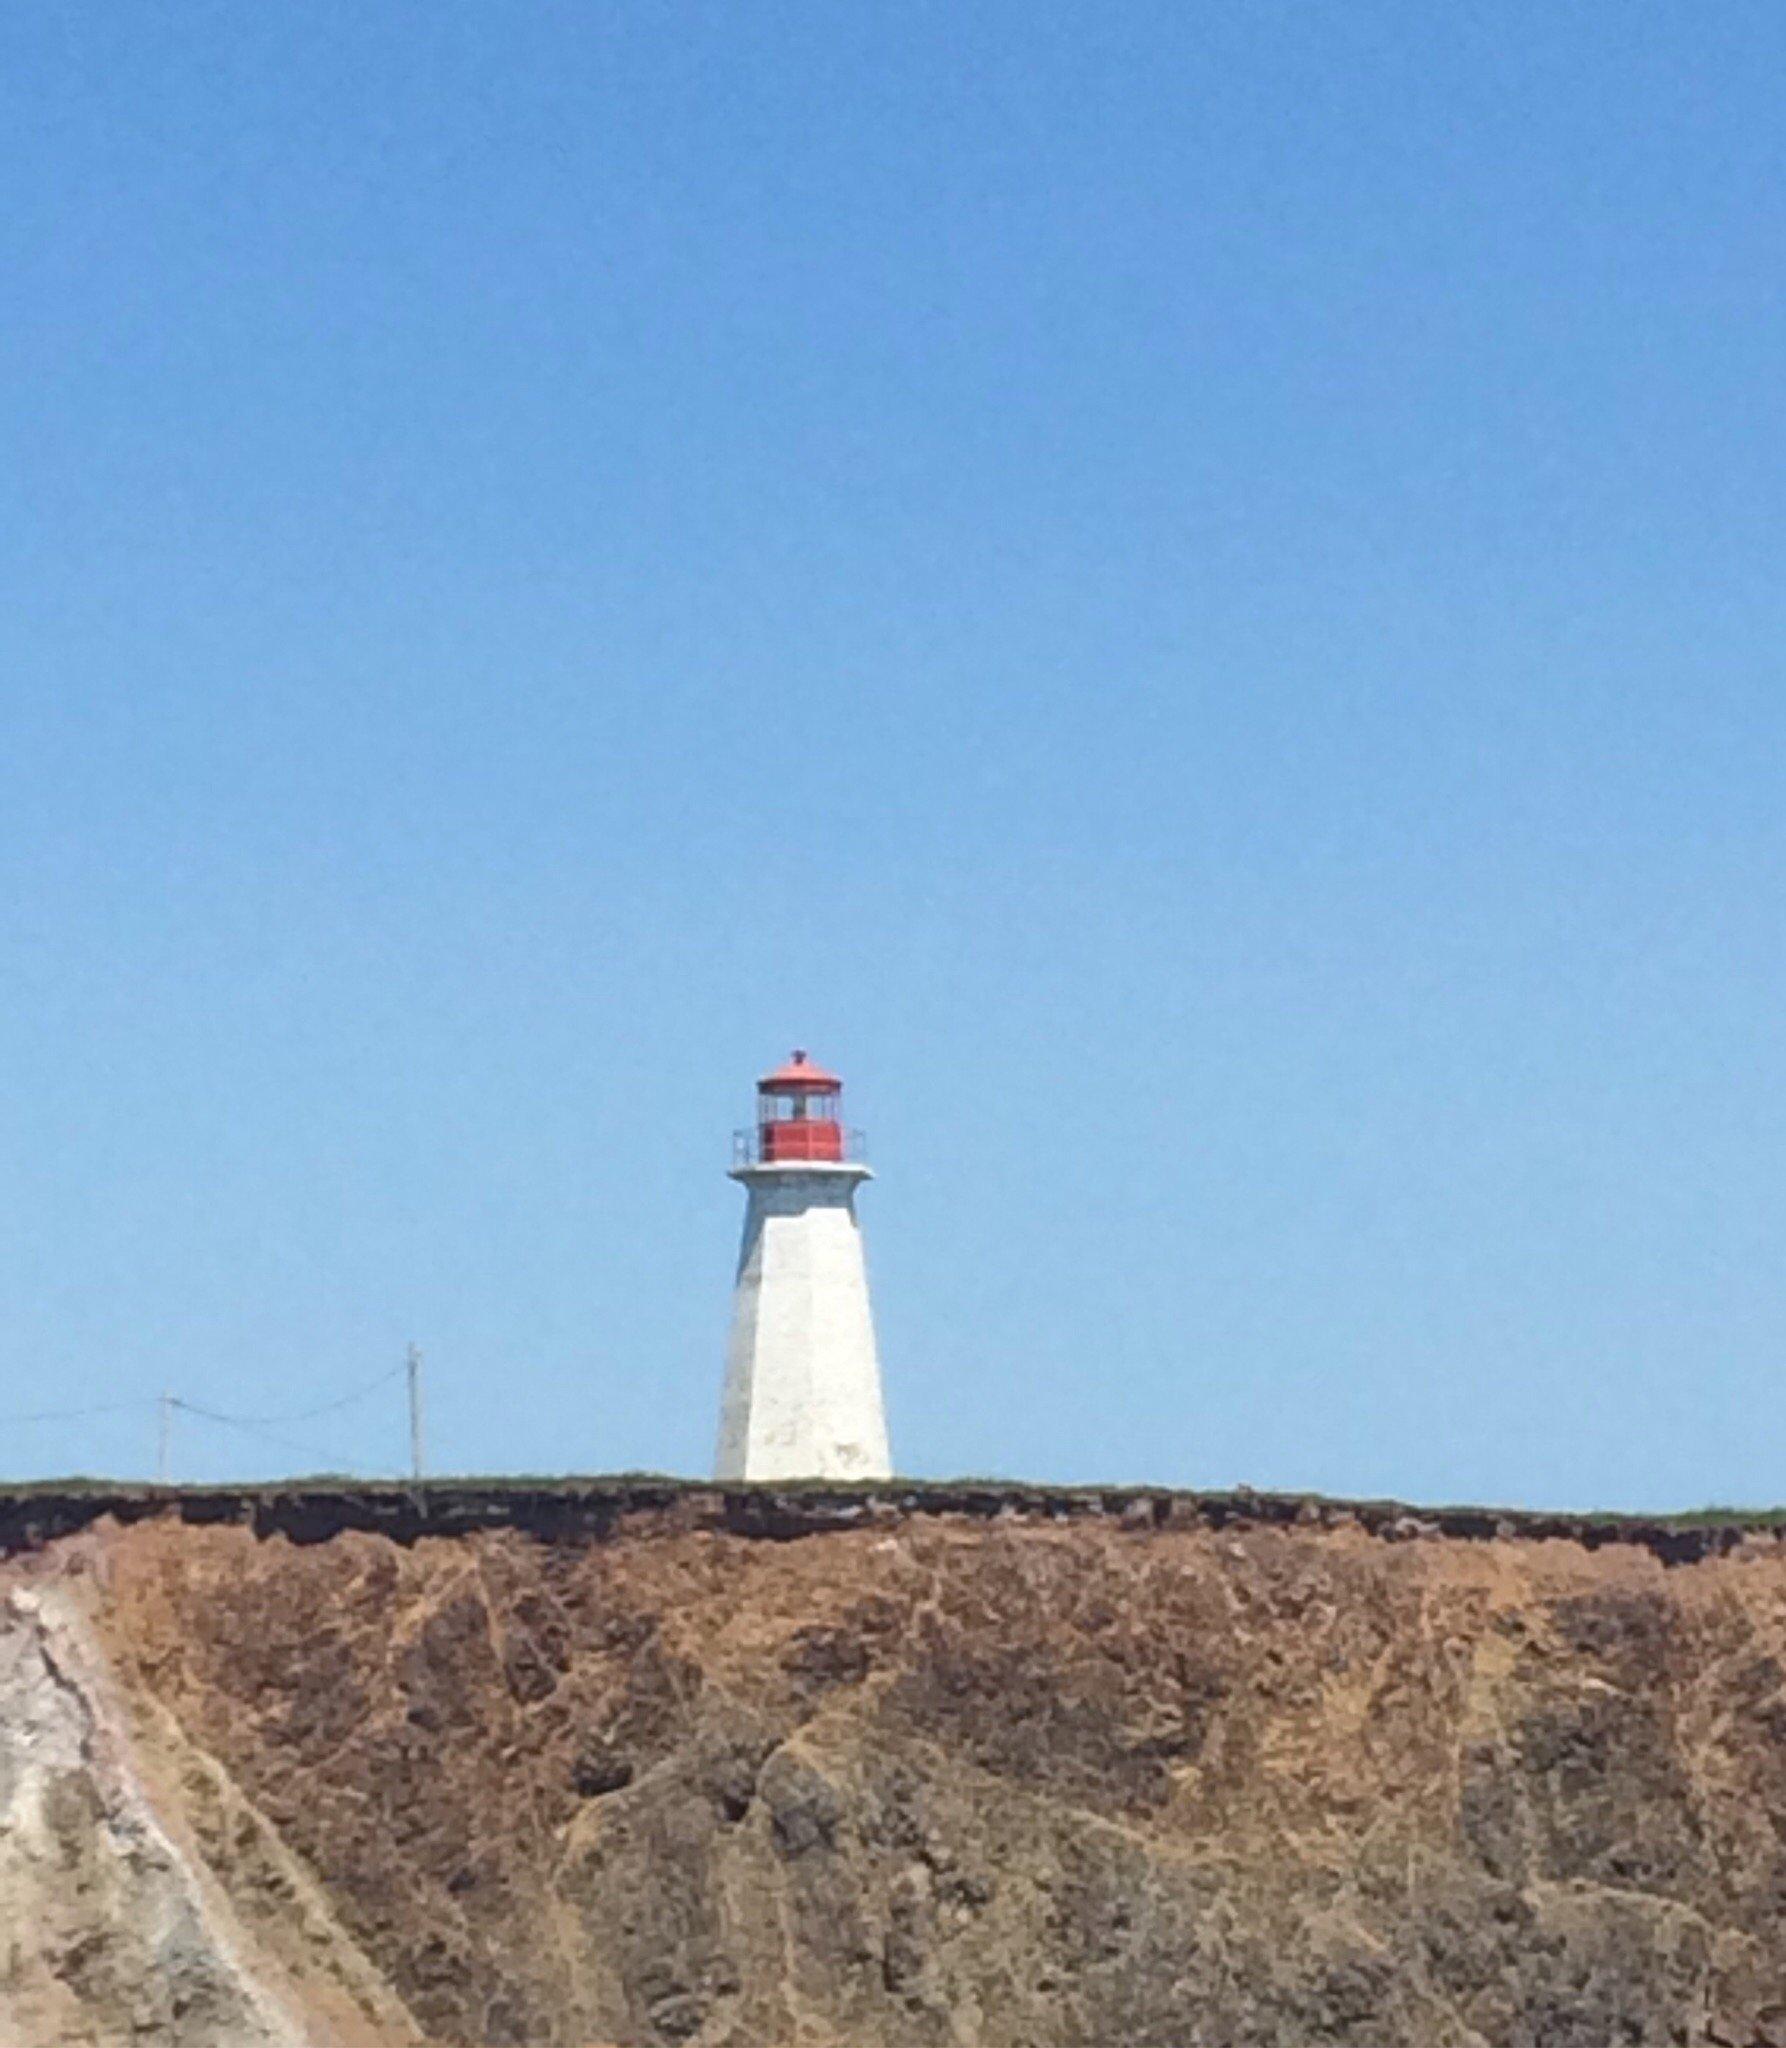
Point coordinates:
[[751, 1148]]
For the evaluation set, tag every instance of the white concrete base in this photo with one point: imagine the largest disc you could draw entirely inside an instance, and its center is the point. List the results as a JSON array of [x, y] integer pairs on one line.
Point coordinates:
[[803, 1384]]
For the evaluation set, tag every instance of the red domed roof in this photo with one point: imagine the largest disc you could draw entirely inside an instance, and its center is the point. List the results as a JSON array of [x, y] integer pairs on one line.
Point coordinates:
[[800, 1072]]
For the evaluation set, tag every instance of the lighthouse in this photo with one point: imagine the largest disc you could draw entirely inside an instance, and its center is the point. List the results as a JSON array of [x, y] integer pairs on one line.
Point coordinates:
[[803, 1385]]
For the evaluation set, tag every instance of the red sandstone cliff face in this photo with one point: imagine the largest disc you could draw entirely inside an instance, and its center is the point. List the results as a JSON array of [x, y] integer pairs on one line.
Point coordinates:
[[938, 1780]]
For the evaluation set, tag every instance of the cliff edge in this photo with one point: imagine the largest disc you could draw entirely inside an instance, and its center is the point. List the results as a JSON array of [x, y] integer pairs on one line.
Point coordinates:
[[645, 1764]]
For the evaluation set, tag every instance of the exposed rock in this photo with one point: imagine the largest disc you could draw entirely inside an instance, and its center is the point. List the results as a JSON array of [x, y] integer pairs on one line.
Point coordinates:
[[112, 1927], [997, 1769]]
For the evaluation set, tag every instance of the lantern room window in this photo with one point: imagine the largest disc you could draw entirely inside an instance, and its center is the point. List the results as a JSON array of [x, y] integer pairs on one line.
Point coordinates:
[[801, 1106]]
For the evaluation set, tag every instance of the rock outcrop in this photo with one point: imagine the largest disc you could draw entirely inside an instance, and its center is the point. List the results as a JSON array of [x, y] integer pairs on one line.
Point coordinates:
[[892, 1771]]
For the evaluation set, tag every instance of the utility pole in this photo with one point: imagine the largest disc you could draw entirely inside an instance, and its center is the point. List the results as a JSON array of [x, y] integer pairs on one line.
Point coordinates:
[[164, 1423], [413, 1365]]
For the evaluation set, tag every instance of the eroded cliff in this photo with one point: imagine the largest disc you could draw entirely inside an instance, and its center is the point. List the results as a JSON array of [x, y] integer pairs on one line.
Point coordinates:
[[739, 1771]]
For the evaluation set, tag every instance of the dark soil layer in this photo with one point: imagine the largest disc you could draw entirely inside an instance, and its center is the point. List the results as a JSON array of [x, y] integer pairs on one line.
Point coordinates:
[[580, 1509]]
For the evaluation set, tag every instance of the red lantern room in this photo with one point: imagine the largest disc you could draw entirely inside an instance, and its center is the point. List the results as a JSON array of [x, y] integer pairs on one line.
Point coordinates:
[[799, 1114]]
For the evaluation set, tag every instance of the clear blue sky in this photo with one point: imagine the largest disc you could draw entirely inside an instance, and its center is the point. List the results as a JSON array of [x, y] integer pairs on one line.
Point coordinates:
[[1191, 595]]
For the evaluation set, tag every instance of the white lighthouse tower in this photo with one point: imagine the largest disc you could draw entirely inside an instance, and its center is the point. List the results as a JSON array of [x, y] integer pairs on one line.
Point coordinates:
[[803, 1385]]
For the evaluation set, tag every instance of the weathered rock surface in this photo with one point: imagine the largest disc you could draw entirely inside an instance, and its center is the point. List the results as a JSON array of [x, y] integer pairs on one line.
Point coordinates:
[[117, 1921], [922, 1777]]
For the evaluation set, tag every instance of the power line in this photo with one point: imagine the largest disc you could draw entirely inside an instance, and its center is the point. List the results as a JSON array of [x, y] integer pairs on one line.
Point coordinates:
[[75, 1414], [332, 1460], [194, 1408], [263, 1426], [266, 1427], [296, 1415]]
